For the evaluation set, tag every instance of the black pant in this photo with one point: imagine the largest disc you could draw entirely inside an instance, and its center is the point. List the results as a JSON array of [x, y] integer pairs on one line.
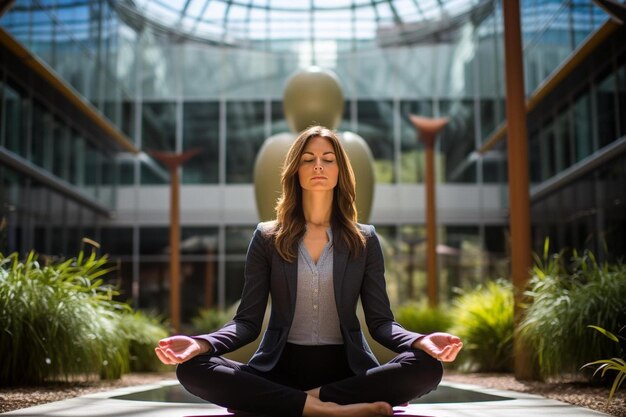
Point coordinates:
[[280, 392]]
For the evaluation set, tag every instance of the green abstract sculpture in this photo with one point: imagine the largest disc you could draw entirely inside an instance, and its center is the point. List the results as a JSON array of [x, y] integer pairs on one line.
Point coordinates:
[[311, 97]]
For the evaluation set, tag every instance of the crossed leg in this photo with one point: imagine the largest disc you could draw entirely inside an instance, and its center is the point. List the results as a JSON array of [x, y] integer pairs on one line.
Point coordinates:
[[238, 386]]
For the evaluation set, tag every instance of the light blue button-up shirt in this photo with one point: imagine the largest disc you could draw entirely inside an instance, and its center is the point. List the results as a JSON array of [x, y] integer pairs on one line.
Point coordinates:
[[315, 321]]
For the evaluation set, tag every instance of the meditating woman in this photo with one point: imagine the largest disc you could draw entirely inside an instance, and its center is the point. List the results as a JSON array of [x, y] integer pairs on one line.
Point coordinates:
[[315, 261]]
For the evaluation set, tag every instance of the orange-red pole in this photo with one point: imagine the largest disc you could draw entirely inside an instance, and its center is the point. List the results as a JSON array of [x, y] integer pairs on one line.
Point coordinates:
[[173, 161], [427, 130], [519, 203], [175, 248], [431, 226]]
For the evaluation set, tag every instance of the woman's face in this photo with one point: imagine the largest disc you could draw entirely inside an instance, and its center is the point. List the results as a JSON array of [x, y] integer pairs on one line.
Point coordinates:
[[318, 165]]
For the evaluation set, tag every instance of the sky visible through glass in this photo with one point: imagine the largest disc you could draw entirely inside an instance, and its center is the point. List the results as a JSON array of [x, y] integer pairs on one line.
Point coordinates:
[[258, 20]]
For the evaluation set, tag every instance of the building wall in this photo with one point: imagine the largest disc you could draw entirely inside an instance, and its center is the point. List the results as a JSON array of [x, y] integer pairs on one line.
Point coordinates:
[[577, 142], [167, 92]]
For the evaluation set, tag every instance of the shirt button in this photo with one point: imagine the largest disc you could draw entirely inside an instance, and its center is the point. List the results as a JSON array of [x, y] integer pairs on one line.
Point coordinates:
[[315, 291], [314, 306]]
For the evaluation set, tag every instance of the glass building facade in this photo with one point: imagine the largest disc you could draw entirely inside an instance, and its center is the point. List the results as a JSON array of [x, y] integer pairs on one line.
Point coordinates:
[[176, 76]]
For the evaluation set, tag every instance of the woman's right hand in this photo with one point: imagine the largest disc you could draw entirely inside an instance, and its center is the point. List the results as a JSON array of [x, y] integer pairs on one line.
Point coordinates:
[[178, 349]]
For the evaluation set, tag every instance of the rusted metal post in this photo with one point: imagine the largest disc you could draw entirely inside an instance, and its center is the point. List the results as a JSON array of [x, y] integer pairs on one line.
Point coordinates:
[[173, 161], [519, 203], [427, 130]]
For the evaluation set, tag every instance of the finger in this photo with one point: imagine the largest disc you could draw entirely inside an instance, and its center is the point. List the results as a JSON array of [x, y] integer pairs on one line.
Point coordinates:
[[177, 357], [168, 358], [165, 342], [162, 357], [433, 351], [430, 348], [170, 355], [445, 351], [451, 356]]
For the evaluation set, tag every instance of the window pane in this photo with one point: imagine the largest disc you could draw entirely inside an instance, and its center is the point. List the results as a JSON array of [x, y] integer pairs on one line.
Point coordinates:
[[116, 240], [201, 130], [159, 126], [76, 158], [375, 125], [234, 281], [412, 163], [199, 249], [16, 110], [154, 286], [621, 92], [128, 118], [41, 148], [238, 239], [534, 157], [154, 241], [546, 143], [456, 142], [563, 146], [245, 134], [61, 150], [460, 259], [410, 265], [127, 172], [606, 111], [582, 126], [93, 169]]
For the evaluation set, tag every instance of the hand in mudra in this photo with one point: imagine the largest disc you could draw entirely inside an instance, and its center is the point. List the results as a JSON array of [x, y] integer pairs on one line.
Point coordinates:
[[178, 349], [441, 346]]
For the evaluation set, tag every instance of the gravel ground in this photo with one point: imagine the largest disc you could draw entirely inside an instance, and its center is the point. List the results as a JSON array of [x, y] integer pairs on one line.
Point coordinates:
[[571, 391]]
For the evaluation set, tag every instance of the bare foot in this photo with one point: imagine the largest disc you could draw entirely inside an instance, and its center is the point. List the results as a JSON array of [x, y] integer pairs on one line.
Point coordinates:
[[315, 392], [313, 407]]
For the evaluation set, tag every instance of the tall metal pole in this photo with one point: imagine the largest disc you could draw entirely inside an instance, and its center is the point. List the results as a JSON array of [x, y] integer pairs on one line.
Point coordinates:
[[427, 130], [173, 161], [519, 203], [175, 247]]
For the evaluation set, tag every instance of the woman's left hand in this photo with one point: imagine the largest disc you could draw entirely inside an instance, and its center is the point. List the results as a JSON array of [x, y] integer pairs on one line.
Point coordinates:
[[441, 346]]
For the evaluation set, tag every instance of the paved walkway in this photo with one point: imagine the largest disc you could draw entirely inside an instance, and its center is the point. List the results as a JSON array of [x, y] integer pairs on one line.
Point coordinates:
[[102, 405]]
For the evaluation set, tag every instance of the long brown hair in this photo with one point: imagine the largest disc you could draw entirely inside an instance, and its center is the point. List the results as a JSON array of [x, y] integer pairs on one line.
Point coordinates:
[[290, 223]]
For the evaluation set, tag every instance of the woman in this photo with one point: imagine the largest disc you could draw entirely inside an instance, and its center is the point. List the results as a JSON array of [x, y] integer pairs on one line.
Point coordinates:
[[315, 261]]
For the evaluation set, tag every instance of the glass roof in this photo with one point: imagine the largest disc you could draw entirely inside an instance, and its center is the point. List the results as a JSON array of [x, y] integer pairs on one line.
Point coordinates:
[[242, 23]]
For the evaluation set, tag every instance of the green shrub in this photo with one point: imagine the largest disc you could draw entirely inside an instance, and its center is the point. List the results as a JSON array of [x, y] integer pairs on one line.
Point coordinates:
[[483, 319], [209, 319], [614, 364], [563, 299], [58, 320], [418, 317], [143, 333]]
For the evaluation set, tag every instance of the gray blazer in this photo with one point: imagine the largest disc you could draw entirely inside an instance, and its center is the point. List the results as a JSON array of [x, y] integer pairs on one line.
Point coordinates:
[[267, 273]]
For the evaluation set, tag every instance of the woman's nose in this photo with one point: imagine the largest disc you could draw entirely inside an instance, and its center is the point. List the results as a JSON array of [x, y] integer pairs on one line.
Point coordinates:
[[317, 166]]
